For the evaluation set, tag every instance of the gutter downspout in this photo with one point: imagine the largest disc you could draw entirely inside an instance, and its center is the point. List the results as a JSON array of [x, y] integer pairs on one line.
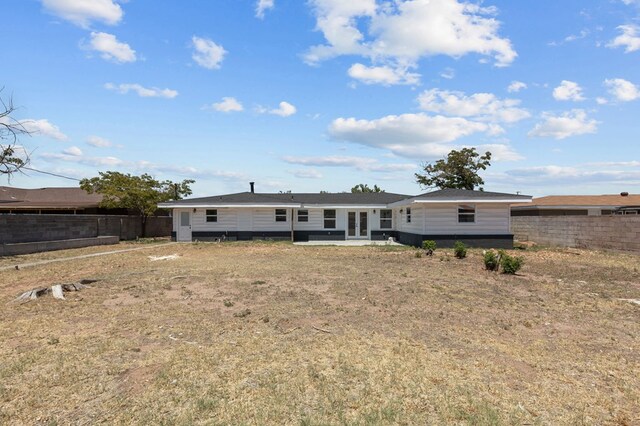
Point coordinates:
[[291, 224]]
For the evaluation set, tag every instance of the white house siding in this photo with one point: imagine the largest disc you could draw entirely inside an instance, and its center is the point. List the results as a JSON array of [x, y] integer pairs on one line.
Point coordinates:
[[227, 220], [442, 219], [416, 226], [264, 219], [374, 220], [315, 221]]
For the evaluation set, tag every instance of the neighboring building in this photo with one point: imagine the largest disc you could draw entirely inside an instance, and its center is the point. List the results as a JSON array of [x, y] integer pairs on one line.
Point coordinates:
[[478, 218], [51, 201], [579, 205]]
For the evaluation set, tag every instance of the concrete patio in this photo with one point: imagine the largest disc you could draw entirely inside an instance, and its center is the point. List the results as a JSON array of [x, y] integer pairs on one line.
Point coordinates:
[[351, 243]]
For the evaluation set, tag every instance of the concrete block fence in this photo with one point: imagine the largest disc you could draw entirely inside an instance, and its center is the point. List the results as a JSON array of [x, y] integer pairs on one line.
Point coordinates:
[[38, 228], [593, 232]]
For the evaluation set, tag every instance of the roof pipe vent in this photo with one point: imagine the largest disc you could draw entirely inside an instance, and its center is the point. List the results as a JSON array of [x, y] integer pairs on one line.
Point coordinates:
[[624, 194], [252, 185]]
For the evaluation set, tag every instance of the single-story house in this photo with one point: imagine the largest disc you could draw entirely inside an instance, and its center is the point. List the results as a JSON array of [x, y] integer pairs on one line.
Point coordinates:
[[477, 218], [579, 205]]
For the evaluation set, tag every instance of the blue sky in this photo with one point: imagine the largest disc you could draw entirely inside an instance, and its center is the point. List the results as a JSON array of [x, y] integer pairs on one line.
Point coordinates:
[[324, 94]]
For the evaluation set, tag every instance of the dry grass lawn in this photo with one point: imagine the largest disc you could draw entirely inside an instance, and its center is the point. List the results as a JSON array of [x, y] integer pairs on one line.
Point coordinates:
[[271, 333]]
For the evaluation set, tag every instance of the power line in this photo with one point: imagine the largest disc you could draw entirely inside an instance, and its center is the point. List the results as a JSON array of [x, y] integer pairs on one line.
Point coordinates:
[[52, 174]]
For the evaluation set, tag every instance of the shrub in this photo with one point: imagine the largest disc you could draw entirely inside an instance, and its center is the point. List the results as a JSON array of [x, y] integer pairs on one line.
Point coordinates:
[[429, 246], [510, 264], [460, 250], [491, 260], [418, 254]]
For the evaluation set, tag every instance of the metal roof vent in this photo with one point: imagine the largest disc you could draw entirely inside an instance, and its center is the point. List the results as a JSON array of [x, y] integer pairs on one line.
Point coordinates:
[[251, 184]]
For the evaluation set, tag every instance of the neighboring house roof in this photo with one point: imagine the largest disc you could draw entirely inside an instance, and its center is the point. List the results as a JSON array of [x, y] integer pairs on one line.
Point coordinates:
[[47, 198], [366, 199], [581, 201]]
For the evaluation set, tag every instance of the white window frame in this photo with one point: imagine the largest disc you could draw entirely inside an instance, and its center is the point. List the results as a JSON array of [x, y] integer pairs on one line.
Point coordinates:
[[303, 215], [325, 219], [280, 215], [211, 217], [385, 220], [472, 215]]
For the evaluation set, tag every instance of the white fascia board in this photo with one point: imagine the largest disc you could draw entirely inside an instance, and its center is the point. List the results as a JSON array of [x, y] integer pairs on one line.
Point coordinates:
[[344, 206], [471, 201], [579, 207], [411, 201], [219, 206]]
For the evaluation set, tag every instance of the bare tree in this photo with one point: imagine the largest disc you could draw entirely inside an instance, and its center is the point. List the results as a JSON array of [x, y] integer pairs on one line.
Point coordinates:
[[12, 156]]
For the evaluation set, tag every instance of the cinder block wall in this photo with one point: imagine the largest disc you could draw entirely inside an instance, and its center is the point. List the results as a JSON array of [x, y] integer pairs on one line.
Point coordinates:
[[594, 232], [37, 228]]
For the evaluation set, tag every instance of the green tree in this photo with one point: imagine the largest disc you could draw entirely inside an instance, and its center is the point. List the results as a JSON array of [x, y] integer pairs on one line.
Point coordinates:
[[12, 157], [138, 193], [458, 170], [365, 188]]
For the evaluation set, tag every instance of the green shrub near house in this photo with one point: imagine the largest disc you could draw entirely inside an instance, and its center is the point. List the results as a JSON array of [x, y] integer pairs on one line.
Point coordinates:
[[460, 250], [429, 246]]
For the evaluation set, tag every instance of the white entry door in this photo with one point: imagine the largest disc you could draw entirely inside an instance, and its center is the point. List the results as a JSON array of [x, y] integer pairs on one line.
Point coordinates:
[[184, 226], [357, 224]]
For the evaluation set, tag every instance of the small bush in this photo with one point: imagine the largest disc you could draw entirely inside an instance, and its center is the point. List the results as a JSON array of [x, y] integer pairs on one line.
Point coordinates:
[[418, 254], [429, 246], [460, 249], [510, 264], [491, 260]]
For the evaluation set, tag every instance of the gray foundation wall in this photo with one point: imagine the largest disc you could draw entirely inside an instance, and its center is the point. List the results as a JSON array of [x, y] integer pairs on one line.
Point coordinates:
[[500, 241], [26, 228], [593, 232]]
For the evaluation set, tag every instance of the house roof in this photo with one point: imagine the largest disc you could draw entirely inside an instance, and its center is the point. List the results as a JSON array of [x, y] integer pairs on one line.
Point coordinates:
[[367, 199], [47, 198], [581, 201], [290, 199], [457, 194], [451, 195]]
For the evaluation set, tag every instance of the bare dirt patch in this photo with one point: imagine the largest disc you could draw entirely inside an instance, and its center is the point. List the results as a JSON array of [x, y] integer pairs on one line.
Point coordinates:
[[259, 333]]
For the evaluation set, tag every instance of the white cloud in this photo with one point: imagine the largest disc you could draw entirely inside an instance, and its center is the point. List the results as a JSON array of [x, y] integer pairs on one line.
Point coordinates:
[[83, 12], [500, 152], [629, 39], [358, 163], [207, 53], [228, 104], [307, 174], [111, 49], [409, 135], [622, 90], [73, 150], [579, 174], [481, 106], [572, 37], [601, 101], [99, 142], [570, 123], [285, 109], [81, 159], [448, 73], [73, 156], [516, 86], [144, 92], [43, 127], [384, 75], [403, 32], [568, 91], [262, 6]]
